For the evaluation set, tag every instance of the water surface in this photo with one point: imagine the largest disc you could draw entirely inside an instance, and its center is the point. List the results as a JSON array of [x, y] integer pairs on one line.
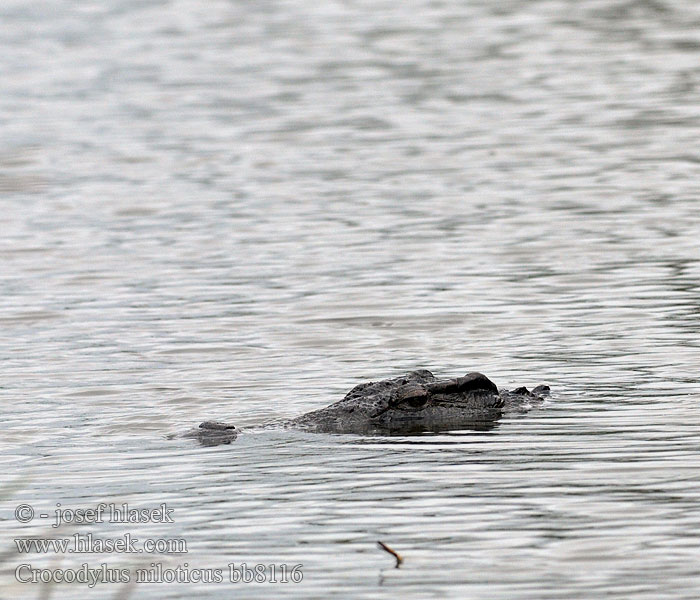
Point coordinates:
[[239, 210]]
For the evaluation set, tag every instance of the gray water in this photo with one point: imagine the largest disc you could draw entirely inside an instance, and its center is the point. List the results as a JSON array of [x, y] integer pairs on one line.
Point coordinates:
[[239, 210]]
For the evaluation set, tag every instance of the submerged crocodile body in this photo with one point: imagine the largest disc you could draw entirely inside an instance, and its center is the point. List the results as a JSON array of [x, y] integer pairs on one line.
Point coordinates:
[[415, 402]]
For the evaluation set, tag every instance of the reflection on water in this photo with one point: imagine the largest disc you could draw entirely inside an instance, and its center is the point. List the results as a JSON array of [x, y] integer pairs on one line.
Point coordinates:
[[238, 211]]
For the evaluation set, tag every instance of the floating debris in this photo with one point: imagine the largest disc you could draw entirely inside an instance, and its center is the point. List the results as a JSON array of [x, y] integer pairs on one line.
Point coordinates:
[[391, 551]]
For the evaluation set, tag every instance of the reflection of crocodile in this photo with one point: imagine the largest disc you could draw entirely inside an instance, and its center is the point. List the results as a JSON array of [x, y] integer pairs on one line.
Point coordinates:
[[412, 403]]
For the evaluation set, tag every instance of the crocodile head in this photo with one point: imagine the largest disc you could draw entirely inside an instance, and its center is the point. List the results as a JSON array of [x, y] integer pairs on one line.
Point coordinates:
[[438, 404], [417, 402]]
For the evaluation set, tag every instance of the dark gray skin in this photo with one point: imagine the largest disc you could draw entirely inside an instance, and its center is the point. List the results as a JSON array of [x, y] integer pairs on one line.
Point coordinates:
[[415, 402]]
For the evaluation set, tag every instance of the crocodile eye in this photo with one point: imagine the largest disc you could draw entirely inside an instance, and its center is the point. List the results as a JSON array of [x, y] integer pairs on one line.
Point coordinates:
[[415, 401], [412, 397]]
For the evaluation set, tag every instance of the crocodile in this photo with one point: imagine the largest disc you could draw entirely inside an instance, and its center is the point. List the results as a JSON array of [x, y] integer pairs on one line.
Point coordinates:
[[412, 403]]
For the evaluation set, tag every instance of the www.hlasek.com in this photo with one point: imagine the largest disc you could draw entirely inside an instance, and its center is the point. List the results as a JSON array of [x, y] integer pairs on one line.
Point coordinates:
[[86, 543], [157, 573]]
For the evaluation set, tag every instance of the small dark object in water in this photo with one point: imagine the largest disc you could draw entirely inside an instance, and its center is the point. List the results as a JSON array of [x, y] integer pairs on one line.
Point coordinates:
[[394, 553]]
